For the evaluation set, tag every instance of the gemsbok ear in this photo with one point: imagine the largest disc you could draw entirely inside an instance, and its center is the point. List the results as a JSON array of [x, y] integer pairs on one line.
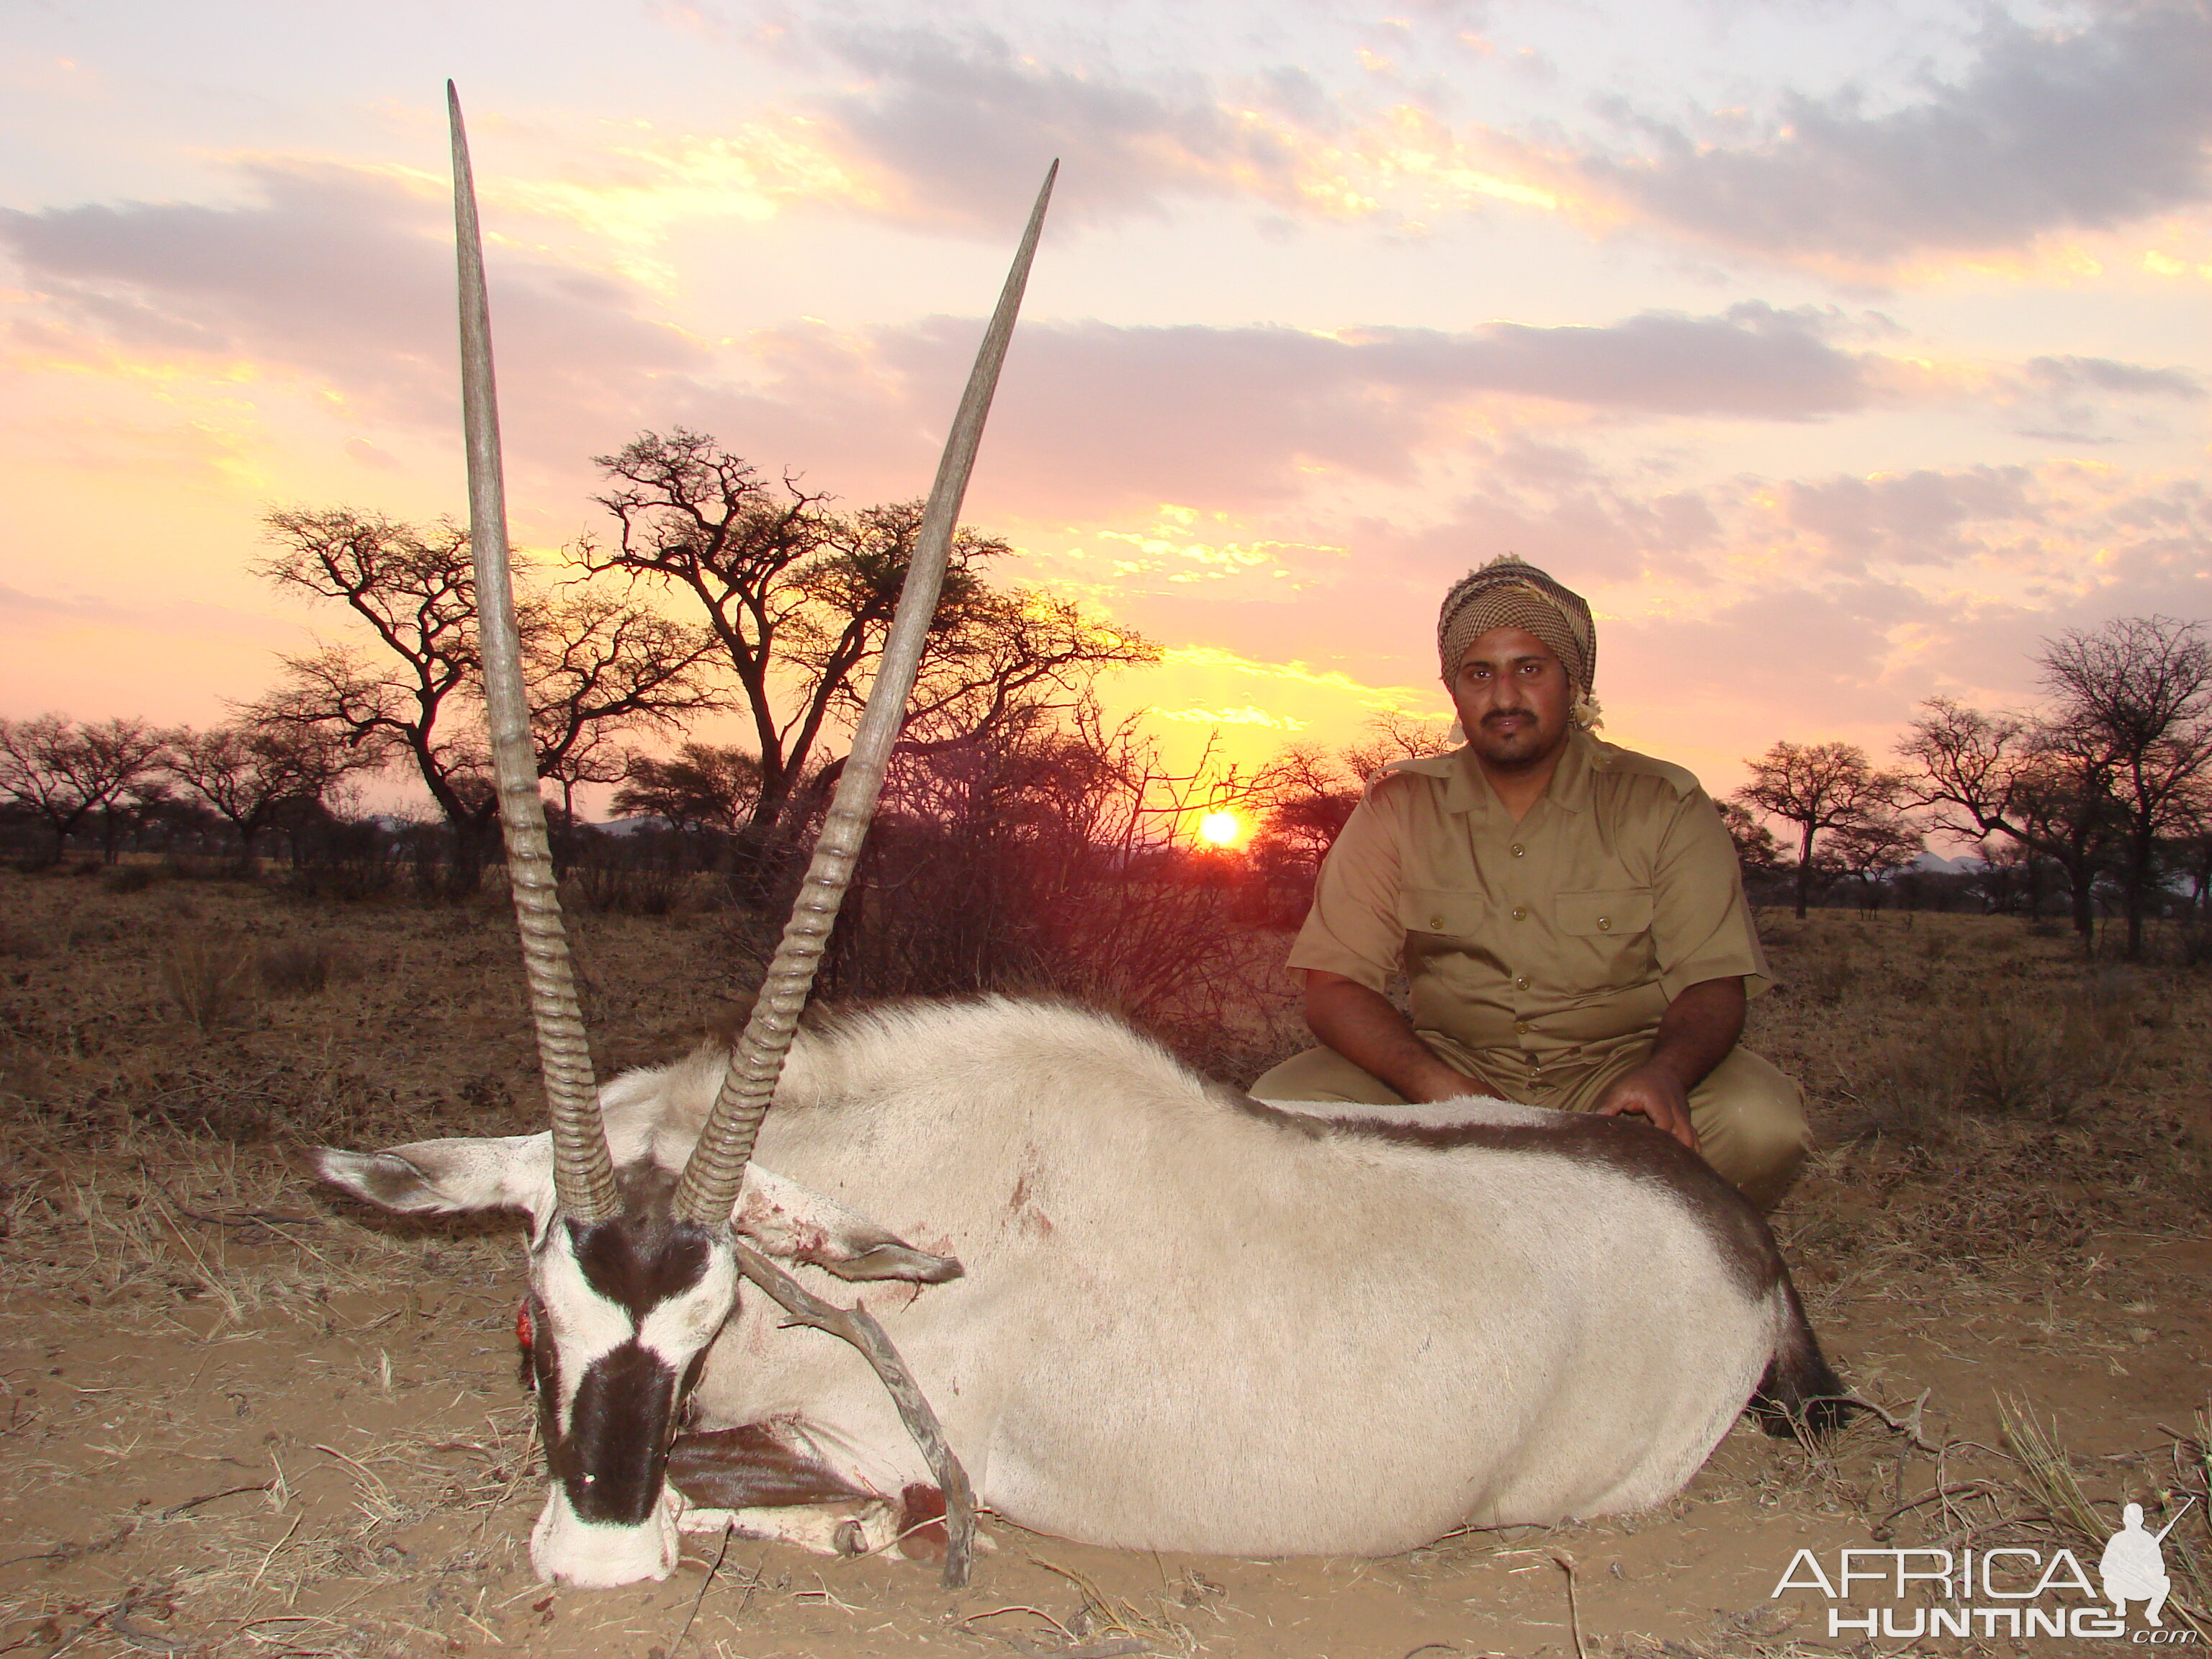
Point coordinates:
[[446, 1177], [785, 1220]]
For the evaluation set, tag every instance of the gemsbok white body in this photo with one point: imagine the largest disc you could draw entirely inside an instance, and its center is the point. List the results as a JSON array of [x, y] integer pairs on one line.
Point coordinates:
[[1187, 1321]]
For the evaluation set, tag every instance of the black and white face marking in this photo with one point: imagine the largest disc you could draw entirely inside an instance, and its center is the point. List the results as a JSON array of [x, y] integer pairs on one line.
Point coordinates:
[[623, 1323], [623, 1311]]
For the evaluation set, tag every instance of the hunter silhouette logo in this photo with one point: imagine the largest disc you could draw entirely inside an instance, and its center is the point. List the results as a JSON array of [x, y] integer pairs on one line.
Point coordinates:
[[2133, 1567]]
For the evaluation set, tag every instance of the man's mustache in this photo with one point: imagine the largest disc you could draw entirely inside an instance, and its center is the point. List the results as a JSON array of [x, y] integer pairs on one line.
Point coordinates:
[[1497, 715]]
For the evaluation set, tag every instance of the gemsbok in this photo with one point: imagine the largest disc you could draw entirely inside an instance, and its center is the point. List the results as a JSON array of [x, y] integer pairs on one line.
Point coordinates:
[[1132, 1307]]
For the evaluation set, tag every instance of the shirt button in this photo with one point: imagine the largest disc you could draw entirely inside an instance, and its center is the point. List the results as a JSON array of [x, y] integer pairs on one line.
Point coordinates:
[[1520, 916], [1436, 924], [1521, 1027], [1521, 984], [1605, 924], [1518, 849]]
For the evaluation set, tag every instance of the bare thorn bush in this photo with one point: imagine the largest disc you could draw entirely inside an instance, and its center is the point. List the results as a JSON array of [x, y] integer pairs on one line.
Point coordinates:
[[2006, 1056], [205, 981], [1828, 973], [2012, 1061], [298, 968], [1910, 1089], [2022, 1061], [628, 888]]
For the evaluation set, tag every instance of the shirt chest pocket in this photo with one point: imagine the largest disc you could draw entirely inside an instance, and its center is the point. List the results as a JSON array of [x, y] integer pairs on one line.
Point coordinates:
[[1613, 912], [1454, 913]]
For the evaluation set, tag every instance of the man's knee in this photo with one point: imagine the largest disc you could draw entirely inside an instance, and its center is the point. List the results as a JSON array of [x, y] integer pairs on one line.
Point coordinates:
[[1324, 1074], [1750, 1120]]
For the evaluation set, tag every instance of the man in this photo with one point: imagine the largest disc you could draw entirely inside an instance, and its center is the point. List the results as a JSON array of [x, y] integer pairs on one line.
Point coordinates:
[[1569, 915]]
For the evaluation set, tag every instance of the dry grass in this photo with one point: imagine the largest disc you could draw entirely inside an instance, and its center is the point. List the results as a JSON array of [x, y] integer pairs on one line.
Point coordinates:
[[190, 1266], [1985, 1096]]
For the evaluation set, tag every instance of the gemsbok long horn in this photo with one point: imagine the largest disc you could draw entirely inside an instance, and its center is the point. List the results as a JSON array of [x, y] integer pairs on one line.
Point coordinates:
[[583, 1169], [717, 1167]]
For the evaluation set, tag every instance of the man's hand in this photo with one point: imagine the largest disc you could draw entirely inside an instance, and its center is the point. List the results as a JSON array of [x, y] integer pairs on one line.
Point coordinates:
[[1695, 1034], [1652, 1092]]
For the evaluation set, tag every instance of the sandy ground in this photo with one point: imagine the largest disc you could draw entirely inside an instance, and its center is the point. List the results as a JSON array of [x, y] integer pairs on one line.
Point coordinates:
[[238, 1419]]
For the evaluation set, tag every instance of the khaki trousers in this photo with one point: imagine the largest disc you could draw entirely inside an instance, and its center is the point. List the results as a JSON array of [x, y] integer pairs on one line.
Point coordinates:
[[1750, 1118]]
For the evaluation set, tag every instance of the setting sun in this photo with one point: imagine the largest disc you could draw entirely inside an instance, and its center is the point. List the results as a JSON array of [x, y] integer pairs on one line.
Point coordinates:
[[1219, 829]]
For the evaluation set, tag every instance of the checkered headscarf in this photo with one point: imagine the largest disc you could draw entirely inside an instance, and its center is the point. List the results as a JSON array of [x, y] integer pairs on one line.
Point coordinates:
[[1510, 592]]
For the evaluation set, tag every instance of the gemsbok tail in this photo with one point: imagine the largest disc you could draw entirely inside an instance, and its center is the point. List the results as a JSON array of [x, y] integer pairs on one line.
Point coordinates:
[[1800, 1394]]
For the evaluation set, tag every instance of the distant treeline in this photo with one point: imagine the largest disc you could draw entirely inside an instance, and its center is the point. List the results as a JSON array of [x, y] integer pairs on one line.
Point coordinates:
[[1016, 820]]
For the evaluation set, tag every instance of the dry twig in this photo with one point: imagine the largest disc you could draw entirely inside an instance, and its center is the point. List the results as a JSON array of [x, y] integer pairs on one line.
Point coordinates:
[[857, 1326], [1574, 1608]]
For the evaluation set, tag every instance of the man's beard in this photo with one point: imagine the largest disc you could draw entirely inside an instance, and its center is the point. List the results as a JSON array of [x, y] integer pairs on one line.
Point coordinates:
[[1522, 746]]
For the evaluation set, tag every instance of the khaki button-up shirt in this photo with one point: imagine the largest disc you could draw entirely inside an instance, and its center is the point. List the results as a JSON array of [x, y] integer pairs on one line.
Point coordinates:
[[1617, 891]]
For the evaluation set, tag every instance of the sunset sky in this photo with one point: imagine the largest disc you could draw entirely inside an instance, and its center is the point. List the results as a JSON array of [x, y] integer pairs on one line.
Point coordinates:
[[1837, 351]]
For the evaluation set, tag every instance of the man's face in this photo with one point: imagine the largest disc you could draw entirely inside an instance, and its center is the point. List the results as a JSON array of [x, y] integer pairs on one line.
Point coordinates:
[[1512, 695]]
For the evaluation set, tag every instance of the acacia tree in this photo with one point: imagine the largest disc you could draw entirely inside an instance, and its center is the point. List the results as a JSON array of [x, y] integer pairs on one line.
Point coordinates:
[[799, 598], [2191, 849], [413, 590], [702, 789], [1305, 794], [1393, 735], [994, 654], [1818, 787], [599, 669], [1870, 850], [65, 773], [595, 667], [2038, 782], [249, 773], [2137, 693], [1756, 849]]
